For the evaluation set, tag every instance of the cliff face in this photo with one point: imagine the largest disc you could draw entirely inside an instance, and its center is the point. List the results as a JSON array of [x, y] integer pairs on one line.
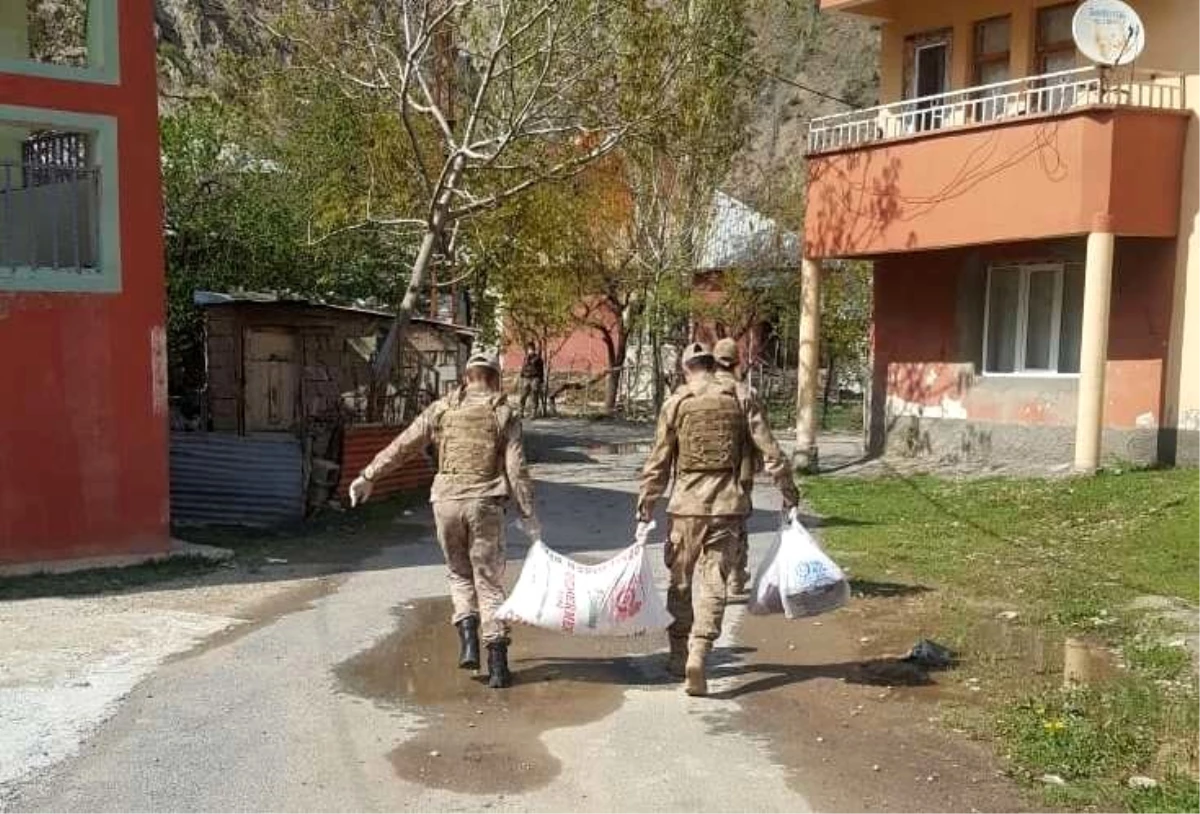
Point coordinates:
[[195, 35], [832, 53], [836, 54]]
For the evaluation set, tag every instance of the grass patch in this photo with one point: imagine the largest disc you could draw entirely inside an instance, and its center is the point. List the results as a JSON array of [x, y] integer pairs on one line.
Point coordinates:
[[1066, 557], [1160, 662]]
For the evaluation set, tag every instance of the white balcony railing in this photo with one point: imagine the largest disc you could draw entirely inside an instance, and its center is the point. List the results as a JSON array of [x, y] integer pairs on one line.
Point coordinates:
[[1044, 95], [48, 217]]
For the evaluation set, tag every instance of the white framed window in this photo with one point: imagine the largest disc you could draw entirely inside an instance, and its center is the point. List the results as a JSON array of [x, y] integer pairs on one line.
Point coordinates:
[[1033, 319], [60, 39]]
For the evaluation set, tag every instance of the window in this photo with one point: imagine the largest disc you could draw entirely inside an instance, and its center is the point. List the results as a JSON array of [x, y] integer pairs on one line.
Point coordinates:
[[992, 50], [1033, 318], [1055, 45], [926, 73], [991, 56], [63, 39], [58, 201]]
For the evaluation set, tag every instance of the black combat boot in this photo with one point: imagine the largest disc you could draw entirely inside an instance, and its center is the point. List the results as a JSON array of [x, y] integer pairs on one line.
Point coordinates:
[[468, 637], [498, 674]]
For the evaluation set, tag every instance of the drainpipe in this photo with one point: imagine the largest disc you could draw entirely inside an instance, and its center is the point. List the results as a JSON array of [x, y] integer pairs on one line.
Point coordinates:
[[809, 358], [1093, 352]]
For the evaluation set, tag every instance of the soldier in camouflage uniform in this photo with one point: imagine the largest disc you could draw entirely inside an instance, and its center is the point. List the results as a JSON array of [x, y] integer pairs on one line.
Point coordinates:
[[725, 354], [704, 434], [481, 464]]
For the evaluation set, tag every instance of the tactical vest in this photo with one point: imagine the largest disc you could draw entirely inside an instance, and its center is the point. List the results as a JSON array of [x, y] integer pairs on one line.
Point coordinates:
[[469, 441], [711, 432]]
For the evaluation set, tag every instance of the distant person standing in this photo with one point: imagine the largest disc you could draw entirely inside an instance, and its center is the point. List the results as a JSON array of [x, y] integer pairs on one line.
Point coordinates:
[[481, 466], [704, 434], [533, 378]]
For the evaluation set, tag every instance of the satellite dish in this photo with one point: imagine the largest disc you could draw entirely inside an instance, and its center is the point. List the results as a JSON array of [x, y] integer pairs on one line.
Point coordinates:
[[1108, 32]]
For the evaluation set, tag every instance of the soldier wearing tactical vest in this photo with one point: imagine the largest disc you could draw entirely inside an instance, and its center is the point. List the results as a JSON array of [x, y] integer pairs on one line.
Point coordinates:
[[705, 433], [725, 354], [481, 464]]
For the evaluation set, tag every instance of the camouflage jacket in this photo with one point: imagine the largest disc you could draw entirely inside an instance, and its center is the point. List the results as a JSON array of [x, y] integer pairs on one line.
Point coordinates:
[[510, 475], [709, 493]]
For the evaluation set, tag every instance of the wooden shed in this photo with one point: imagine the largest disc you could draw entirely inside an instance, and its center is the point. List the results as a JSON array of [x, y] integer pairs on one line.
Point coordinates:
[[289, 365]]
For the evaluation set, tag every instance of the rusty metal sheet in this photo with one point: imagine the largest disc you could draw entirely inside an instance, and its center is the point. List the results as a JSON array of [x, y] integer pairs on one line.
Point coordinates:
[[226, 479], [362, 443]]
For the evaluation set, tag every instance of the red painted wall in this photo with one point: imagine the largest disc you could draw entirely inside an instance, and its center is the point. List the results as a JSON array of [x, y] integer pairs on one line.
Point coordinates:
[[1014, 180], [83, 420], [926, 354]]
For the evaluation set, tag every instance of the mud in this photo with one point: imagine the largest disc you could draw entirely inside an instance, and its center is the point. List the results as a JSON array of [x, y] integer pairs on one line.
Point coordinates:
[[478, 740], [856, 728], [266, 612]]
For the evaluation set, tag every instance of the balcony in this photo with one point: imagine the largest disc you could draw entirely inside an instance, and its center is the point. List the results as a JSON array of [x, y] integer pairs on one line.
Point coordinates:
[[1046, 95], [48, 219], [1037, 157]]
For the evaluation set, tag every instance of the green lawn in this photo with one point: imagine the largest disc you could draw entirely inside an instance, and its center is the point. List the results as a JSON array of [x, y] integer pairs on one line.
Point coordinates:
[[1067, 556]]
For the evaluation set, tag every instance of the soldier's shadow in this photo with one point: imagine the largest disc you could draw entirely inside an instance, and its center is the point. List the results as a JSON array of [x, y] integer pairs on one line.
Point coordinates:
[[636, 670], [764, 677]]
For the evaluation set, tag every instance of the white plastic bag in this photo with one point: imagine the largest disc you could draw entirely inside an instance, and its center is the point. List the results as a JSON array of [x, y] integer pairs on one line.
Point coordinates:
[[797, 578], [614, 598]]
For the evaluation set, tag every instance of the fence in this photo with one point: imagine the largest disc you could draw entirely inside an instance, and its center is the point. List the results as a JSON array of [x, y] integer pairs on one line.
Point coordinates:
[[48, 217], [1046, 94], [220, 479]]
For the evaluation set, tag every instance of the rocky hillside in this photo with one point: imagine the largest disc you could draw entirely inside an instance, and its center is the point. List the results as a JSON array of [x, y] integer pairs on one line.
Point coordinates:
[[195, 35], [834, 54]]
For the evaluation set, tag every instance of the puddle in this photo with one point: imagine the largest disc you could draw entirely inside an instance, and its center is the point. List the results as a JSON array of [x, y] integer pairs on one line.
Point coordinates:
[[266, 612], [489, 741], [622, 448]]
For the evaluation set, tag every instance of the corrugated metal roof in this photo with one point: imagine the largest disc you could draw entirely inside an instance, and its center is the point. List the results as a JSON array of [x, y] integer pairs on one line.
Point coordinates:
[[738, 236], [207, 298], [220, 479], [362, 443]]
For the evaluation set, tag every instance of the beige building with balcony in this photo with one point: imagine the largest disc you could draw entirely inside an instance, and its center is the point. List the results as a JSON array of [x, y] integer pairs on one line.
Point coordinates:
[[1032, 219]]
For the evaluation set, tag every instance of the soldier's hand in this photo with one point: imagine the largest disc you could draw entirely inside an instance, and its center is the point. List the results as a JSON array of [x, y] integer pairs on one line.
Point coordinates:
[[360, 490], [642, 534], [531, 527]]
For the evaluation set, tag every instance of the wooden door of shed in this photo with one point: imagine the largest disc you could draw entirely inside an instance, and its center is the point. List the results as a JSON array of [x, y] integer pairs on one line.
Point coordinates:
[[272, 390]]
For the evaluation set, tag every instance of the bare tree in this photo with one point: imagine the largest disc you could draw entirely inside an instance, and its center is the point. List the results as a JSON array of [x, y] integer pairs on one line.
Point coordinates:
[[492, 97]]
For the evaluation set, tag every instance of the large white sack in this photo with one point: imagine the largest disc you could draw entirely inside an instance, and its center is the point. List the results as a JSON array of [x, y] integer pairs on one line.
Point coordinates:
[[614, 598], [797, 578]]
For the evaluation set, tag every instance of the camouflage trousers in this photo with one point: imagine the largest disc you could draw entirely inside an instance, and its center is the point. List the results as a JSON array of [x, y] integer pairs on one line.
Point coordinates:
[[471, 534], [741, 560], [700, 553]]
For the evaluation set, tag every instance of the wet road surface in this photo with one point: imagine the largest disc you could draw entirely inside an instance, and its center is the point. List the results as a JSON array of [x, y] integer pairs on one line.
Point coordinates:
[[347, 698]]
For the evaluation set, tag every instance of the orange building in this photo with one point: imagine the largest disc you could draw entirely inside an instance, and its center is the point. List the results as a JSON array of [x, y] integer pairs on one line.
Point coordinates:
[[83, 418], [1032, 219]]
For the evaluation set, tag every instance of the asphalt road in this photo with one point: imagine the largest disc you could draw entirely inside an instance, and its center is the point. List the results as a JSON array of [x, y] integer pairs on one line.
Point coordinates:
[[344, 699]]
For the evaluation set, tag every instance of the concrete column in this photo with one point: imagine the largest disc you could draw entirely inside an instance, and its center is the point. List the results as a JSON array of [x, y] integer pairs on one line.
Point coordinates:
[[809, 364], [1093, 352]]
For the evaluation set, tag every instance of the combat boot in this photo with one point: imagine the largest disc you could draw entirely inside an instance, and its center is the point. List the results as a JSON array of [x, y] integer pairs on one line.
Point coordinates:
[[498, 674], [468, 642], [695, 680], [677, 660]]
